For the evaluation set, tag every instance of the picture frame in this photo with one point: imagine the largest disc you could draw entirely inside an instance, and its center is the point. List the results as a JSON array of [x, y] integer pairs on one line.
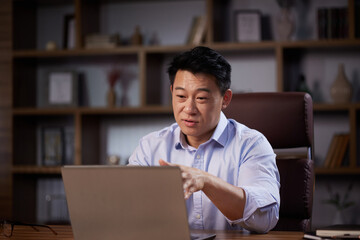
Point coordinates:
[[69, 32], [53, 146], [247, 25], [61, 89]]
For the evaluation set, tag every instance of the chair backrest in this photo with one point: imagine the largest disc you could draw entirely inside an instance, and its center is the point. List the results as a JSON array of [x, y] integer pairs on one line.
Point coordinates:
[[286, 120]]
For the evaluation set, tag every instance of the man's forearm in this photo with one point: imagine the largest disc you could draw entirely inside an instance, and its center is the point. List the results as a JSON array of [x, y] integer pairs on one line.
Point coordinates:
[[229, 199]]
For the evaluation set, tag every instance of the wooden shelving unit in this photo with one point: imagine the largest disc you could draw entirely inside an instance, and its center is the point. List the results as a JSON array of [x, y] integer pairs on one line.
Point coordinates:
[[86, 121], [337, 171]]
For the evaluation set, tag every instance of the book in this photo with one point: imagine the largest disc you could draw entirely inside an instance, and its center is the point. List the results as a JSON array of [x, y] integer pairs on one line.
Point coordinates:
[[343, 146], [321, 22], [332, 23], [336, 156], [311, 235], [338, 231], [337, 151], [101, 41], [197, 30], [331, 151]]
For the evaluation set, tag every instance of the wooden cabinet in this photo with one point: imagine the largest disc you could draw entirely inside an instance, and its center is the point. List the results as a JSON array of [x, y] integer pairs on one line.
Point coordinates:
[[35, 22]]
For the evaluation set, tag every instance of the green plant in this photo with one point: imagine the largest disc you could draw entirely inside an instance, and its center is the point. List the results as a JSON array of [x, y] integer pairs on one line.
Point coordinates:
[[337, 201]]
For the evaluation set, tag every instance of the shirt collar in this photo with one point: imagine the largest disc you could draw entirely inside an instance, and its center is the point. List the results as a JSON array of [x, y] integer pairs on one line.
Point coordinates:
[[217, 136]]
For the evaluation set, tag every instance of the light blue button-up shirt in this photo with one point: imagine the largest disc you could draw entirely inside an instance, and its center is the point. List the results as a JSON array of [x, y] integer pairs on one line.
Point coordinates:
[[235, 153]]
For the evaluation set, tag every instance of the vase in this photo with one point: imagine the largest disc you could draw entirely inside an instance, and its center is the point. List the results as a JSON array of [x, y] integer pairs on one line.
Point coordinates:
[[285, 25], [111, 97], [136, 38], [340, 90], [338, 218]]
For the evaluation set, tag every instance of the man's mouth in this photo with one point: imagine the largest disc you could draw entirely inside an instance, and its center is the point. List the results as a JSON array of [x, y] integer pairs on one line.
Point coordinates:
[[189, 123]]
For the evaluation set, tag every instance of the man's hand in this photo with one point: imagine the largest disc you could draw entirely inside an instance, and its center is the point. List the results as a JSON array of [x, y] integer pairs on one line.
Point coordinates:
[[193, 179], [229, 199]]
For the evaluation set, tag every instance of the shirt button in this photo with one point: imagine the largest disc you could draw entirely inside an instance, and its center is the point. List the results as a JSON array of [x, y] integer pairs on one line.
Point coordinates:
[[198, 216], [198, 156]]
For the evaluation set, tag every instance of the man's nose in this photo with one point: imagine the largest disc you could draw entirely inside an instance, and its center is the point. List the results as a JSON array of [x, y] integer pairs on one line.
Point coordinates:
[[190, 106]]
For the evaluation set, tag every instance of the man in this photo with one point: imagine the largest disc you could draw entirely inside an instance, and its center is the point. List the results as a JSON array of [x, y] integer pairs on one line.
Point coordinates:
[[229, 172]]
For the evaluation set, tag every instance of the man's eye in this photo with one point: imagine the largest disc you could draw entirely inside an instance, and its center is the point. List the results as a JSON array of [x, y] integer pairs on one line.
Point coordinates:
[[202, 98], [180, 96]]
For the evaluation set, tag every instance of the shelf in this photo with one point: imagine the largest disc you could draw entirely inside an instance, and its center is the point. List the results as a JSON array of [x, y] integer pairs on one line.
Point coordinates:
[[335, 106], [231, 46], [332, 106], [43, 111], [24, 169], [328, 43], [128, 110], [338, 171], [91, 111], [123, 50], [72, 53]]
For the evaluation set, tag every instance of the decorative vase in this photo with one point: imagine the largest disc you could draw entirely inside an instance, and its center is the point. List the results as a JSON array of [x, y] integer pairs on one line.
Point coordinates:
[[136, 38], [338, 218], [111, 97], [285, 25], [340, 89]]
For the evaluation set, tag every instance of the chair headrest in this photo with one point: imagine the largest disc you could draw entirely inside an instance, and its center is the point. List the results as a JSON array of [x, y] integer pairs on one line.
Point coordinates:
[[285, 118]]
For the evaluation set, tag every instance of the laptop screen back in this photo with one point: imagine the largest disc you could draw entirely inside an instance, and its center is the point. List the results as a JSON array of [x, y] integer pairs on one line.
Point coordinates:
[[107, 202]]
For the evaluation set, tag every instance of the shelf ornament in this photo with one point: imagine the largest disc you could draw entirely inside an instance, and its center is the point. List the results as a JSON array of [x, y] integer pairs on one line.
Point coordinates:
[[339, 202], [285, 24], [112, 77], [341, 89]]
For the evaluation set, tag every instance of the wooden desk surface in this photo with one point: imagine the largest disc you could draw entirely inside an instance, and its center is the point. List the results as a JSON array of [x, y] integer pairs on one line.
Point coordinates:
[[65, 233]]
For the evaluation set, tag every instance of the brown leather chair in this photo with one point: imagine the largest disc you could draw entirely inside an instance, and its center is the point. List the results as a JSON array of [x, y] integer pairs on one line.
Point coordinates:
[[286, 119]]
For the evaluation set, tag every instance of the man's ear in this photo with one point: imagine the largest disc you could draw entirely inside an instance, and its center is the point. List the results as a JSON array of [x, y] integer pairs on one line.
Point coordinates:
[[226, 98], [171, 88]]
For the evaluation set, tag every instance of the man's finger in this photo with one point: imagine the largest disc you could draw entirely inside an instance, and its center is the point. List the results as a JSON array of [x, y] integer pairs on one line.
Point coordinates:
[[163, 163]]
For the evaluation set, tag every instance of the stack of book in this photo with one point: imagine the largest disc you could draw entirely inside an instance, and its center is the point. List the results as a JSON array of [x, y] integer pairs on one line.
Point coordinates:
[[101, 41], [332, 23], [335, 232], [337, 151]]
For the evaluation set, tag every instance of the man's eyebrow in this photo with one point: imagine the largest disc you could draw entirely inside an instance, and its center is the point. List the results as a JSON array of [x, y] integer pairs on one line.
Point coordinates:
[[199, 89], [179, 88], [203, 89]]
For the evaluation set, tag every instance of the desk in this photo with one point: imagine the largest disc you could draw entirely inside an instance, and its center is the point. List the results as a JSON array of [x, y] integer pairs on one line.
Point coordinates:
[[65, 233]]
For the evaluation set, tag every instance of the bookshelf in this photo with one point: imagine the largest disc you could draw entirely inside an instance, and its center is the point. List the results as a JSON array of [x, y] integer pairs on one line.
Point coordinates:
[[28, 60]]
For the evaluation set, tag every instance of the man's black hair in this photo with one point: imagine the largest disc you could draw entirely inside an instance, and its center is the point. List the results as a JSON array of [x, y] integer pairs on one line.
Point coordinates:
[[203, 60]]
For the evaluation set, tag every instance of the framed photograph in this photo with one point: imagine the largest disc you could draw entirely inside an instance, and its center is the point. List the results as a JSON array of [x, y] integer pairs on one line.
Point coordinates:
[[61, 89], [69, 31], [53, 147], [248, 26]]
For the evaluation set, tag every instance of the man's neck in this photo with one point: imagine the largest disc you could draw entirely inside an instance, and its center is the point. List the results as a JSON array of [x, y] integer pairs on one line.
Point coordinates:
[[196, 141]]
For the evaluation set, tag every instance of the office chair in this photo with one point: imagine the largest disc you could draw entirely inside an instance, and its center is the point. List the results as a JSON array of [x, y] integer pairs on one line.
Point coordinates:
[[286, 120]]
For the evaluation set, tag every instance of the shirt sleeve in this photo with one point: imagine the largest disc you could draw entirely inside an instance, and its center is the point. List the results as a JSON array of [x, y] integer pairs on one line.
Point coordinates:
[[259, 177], [140, 157]]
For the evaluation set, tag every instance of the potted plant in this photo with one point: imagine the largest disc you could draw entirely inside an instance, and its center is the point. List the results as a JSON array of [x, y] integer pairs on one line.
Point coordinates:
[[339, 202]]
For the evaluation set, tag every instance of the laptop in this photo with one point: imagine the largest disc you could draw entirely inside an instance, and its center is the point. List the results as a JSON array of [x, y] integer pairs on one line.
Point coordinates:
[[127, 202]]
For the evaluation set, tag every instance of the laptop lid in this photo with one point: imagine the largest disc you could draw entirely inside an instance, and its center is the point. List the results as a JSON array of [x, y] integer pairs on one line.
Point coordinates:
[[107, 202]]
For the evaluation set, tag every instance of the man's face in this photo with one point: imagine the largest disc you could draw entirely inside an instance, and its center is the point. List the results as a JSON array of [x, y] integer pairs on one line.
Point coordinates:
[[197, 103]]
